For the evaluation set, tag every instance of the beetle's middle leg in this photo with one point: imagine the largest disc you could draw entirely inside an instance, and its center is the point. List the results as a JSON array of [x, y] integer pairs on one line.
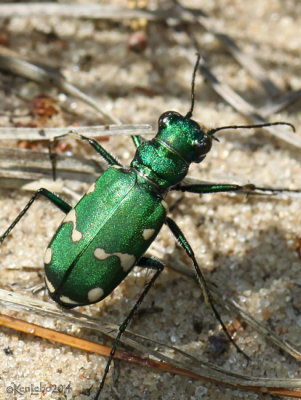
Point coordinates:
[[57, 201]]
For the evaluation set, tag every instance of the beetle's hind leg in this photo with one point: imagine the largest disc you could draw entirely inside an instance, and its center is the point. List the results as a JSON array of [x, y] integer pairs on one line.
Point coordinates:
[[144, 262]]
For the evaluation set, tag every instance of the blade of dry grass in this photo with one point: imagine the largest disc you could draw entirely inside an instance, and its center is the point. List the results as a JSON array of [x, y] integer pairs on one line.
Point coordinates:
[[273, 386], [26, 69], [243, 107], [75, 10]]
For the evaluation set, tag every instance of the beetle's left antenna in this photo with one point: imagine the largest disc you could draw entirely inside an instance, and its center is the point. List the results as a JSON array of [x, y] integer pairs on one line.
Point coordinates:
[[189, 114]]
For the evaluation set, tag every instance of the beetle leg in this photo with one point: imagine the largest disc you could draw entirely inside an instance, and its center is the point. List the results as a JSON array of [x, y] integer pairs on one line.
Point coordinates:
[[144, 262], [58, 202], [201, 279], [96, 146], [248, 189], [137, 140]]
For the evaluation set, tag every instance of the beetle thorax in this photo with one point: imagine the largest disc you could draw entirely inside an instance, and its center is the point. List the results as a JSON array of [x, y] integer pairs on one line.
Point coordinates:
[[159, 163], [179, 142]]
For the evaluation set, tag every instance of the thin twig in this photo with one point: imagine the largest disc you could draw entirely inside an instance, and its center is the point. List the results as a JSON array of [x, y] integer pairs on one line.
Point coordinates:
[[24, 133], [74, 10]]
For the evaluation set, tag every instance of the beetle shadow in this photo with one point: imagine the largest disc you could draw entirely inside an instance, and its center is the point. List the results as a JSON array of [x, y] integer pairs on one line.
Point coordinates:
[[267, 284]]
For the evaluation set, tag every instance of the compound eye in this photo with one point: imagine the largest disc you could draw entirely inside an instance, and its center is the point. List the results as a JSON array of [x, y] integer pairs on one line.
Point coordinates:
[[203, 147], [166, 117]]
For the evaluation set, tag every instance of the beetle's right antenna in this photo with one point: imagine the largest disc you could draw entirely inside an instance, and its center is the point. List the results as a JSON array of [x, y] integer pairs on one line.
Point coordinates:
[[189, 114], [213, 131]]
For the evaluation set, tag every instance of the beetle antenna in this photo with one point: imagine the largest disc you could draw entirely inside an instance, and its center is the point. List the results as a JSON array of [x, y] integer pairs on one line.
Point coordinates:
[[189, 114], [213, 131]]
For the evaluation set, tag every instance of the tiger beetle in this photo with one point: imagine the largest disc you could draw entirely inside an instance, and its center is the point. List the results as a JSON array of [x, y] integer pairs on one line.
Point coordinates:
[[107, 233]]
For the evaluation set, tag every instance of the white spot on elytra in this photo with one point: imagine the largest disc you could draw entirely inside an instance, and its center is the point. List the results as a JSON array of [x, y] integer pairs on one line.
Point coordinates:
[[165, 205], [126, 260], [100, 254], [67, 300], [71, 217], [92, 188], [76, 235], [49, 285], [48, 256], [95, 294], [148, 233]]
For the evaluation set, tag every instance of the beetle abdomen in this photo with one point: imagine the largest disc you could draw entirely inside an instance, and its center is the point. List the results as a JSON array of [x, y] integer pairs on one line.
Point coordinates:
[[88, 258]]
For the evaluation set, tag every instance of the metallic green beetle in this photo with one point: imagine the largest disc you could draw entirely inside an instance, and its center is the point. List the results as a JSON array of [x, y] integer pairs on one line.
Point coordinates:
[[107, 233], [102, 238]]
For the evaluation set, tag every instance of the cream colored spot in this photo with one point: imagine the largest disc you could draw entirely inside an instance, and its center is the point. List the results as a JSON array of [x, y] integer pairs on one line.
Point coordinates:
[[49, 285], [95, 294], [126, 260], [148, 233], [165, 205], [71, 217], [76, 235], [92, 188], [100, 254], [48, 256], [67, 300]]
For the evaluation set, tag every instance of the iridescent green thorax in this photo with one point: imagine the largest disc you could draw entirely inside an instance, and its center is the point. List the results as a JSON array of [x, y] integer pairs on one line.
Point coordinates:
[[160, 164], [165, 159]]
